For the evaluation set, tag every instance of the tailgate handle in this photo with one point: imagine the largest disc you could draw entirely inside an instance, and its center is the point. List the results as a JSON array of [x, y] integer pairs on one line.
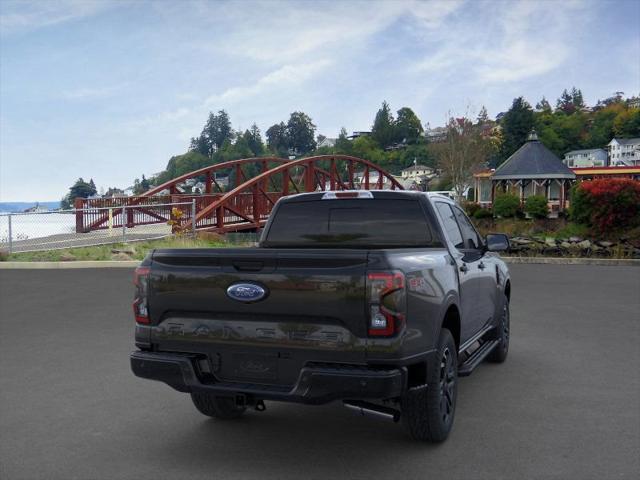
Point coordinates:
[[248, 266]]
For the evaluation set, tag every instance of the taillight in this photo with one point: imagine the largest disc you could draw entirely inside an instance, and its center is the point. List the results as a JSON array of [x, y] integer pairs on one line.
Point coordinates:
[[386, 299], [140, 303]]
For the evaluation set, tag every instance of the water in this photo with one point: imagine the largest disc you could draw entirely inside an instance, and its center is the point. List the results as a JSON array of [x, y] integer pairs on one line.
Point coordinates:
[[29, 226]]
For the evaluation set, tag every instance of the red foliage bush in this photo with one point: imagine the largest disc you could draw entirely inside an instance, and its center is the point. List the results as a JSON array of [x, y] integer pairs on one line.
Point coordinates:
[[607, 204]]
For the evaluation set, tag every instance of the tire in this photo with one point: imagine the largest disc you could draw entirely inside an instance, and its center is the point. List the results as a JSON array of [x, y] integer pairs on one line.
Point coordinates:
[[224, 408], [427, 413], [499, 354]]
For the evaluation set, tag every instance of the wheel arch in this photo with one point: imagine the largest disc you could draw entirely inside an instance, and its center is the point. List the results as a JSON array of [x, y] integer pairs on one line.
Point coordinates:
[[451, 321]]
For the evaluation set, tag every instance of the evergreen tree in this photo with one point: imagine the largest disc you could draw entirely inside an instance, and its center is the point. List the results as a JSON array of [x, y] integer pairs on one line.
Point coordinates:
[[543, 106], [216, 131], [576, 99], [343, 144], [253, 139], [382, 130], [565, 103], [517, 123], [483, 116]]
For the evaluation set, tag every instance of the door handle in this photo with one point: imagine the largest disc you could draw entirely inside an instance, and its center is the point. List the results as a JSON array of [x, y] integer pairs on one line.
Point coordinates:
[[481, 266], [464, 268]]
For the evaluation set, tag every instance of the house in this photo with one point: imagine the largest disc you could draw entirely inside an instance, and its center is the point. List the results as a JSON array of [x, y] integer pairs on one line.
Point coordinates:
[[624, 152], [327, 142], [593, 157], [358, 134], [591, 173], [532, 170], [435, 135]]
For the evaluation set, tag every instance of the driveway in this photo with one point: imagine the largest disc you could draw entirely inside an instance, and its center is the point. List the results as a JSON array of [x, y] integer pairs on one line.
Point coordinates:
[[565, 404]]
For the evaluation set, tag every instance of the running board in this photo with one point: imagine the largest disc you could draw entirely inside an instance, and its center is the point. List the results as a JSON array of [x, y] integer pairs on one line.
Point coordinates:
[[476, 357]]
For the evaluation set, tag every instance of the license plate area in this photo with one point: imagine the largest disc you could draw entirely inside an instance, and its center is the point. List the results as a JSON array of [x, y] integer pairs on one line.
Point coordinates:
[[251, 366]]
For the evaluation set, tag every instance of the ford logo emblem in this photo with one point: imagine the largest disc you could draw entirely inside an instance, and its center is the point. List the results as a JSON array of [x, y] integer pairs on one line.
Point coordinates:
[[246, 292]]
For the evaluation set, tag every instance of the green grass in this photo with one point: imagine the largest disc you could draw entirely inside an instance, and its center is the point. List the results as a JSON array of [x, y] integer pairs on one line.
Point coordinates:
[[105, 252]]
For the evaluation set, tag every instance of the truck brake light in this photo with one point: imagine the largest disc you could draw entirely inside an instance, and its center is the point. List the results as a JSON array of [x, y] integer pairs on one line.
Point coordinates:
[[386, 299], [140, 305]]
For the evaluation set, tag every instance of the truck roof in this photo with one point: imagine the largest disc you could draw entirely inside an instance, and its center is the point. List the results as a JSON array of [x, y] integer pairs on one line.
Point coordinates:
[[332, 194]]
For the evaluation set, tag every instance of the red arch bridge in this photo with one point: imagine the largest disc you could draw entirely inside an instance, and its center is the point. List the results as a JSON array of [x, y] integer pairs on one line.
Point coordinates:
[[252, 187]]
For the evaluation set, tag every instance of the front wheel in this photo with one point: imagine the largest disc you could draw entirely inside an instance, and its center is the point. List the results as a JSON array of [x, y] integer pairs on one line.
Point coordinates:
[[224, 408], [427, 413], [499, 353]]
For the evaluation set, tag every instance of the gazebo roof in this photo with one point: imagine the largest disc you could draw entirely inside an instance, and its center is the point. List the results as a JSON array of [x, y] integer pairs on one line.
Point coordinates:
[[532, 160]]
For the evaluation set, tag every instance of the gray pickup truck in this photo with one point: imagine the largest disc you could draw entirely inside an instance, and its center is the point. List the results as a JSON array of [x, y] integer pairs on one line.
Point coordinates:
[[378, 299]]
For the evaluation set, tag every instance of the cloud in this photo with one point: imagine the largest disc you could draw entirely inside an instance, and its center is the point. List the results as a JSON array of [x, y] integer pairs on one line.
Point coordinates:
[[23, 15], [526, 40], [285, 77], [92, 92]]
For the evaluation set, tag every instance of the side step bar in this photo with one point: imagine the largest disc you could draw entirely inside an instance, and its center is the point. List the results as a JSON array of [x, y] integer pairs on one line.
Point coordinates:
[[469, 365]]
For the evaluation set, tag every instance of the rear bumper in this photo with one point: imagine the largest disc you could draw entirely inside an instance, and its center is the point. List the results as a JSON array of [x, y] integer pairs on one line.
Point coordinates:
[[316, 384]]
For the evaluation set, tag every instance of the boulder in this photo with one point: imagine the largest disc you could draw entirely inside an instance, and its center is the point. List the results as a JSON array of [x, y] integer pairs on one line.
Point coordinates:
[[550, 241], [584, 244], [575, 239], [605, 244]]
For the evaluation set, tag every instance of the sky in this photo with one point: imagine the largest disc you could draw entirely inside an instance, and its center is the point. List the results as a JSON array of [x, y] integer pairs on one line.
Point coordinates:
[[110, 89]]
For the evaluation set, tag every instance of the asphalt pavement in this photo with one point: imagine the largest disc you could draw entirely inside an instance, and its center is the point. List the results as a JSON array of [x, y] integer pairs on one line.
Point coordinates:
[[565, 405]]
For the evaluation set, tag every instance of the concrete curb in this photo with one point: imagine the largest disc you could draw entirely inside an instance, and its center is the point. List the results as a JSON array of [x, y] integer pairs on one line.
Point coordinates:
[[134, 263], [71, 264], [614, 262]]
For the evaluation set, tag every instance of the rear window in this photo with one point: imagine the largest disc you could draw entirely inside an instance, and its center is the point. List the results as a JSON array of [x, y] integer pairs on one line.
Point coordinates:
[[357, 223]]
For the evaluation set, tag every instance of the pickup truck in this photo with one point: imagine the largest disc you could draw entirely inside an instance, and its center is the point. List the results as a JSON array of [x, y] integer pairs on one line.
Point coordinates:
[[379, 299]]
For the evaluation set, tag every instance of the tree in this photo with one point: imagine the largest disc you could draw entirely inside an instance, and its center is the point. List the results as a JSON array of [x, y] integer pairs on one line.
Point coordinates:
[[463, 151], [627, 124], [576, 99], [343, 144], [483, 116], [301, 133], [277, 139], [254, 140], [80, 189], [565, 103], [408, 126], [382, 130], [544, 106], [517, 123], [216, 131]]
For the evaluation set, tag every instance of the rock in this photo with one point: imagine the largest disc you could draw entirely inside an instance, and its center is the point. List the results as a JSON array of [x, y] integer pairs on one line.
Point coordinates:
[[605, 244], [520, 241], [575, 239], [566, 245], [126, 251], [67, 257], [121, 257], [550, 241], [584, 244]]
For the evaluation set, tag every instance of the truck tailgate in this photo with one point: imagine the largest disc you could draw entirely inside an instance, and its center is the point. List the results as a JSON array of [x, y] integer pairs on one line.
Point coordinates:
[[313, 311]]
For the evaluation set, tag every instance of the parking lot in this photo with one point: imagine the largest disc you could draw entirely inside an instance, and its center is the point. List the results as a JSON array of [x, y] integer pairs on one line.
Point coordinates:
[[565, 404]]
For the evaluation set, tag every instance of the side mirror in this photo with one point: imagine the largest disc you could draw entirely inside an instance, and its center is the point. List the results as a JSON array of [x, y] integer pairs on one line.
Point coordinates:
[[497, 242]]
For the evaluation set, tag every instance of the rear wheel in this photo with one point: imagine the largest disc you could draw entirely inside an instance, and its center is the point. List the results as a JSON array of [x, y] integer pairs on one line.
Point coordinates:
[[499, 353], [427, 413], [224, 408]]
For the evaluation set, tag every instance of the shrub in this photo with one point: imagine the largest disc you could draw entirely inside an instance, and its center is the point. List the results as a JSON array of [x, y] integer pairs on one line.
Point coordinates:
[[536, 206], [481, 213], [506, 205], [470, 208], [607, 204]]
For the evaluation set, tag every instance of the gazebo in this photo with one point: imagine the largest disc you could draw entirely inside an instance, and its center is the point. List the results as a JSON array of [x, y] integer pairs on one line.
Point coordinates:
[[532, 170]]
